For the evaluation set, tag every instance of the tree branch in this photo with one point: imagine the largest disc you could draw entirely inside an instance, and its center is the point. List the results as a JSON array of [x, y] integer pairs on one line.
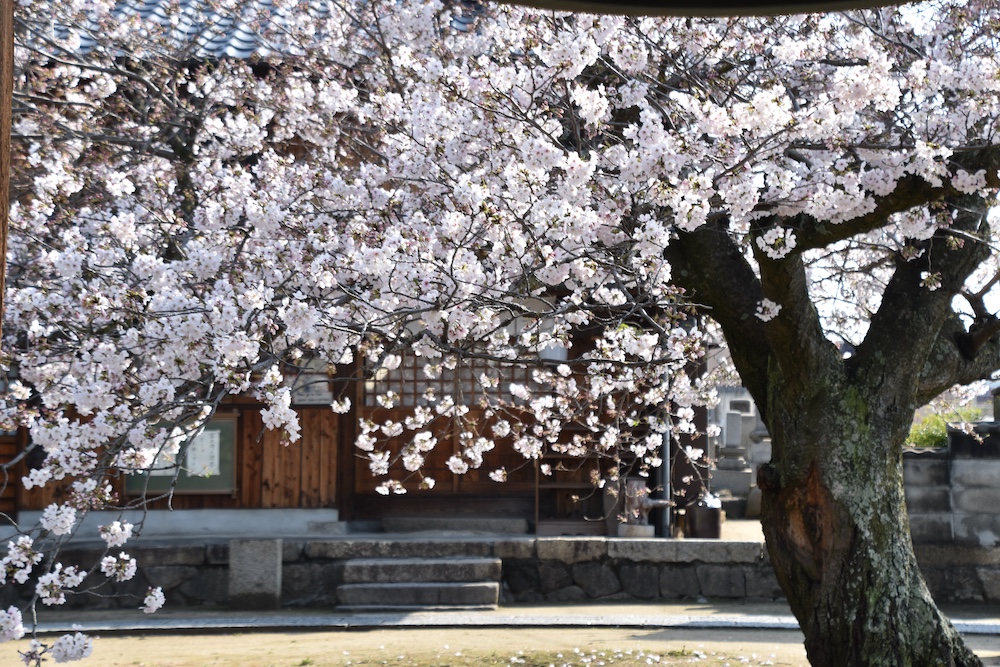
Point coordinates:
[[712, 268], [948, 365], [915, 316], [910, 191], [798, 342]]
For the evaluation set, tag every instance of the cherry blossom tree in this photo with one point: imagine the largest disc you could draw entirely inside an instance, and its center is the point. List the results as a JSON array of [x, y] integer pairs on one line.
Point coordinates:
[[477, 187]]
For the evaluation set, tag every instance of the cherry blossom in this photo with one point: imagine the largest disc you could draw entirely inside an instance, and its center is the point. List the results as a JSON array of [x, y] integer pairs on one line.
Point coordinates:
[[507, 203]]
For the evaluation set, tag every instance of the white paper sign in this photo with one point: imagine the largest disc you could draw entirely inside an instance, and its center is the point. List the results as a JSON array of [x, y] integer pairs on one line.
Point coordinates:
[[203, 455]]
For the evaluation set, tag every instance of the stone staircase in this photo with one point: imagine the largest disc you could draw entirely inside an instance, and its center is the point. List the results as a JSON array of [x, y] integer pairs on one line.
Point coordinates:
[[420, 583]]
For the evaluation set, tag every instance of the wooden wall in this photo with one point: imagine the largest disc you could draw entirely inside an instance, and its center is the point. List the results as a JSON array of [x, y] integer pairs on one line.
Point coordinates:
[[11, 480], [471, 493], [268, 473]]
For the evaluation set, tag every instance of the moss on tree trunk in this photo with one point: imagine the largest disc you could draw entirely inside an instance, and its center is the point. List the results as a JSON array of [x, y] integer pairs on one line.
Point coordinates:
[[838, 537]]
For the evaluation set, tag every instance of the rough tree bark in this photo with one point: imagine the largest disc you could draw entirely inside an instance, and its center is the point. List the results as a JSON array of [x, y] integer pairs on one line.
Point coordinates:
[[833, 506], [837, 530]]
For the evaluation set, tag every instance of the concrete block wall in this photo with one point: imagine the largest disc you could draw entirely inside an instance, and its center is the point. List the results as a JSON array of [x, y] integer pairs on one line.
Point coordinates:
[[961, 574], [927, 485], [953, 494]]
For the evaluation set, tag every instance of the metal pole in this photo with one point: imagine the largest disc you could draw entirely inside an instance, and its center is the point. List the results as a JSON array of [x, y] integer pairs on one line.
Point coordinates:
[[666, 518]]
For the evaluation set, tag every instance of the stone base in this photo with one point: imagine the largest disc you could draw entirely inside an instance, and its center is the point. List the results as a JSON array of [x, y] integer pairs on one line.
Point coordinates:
[[470, 524], [736, 481], [632, 530], [255, 574]]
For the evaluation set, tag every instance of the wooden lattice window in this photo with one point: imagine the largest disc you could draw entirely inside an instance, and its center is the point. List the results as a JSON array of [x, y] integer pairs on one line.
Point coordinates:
[[414, 386]]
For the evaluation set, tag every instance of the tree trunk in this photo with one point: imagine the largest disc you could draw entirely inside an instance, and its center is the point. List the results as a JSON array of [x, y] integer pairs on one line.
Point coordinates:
[[838, 535]]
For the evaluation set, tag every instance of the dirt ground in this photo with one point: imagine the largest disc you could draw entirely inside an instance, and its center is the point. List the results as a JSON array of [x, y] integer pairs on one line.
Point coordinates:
[[461, 647]]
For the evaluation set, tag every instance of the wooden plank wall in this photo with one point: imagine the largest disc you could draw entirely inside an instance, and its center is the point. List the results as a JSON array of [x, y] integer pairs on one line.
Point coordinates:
[[268, 473], [10, 482]]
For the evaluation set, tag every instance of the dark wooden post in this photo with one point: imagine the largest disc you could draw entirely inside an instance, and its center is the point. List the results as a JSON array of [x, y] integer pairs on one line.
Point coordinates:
[[702, 7], [6, 103]]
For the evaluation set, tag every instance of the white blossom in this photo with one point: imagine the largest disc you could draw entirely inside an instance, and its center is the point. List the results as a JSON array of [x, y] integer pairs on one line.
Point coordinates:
[[767, 310], [11, 624], [119, 568], [58, 519], [777, 242], [116, 533], [68, 648], [153, 601]]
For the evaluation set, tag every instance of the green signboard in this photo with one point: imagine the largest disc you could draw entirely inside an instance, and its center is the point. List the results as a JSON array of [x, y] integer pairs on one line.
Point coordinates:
[[207, 464]]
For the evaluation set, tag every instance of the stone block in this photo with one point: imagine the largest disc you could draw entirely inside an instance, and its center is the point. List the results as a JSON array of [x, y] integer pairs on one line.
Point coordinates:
[[388, 570], [928, 499], [977, 501], [640, 580], [217, 554], [931, 528], [323, 549], [528, 597], [736, 481], [652, 550], [132, 590], [571, 549], [635, 531], [977, 529], [79, 557], [291, 550], [315, 583], [553, 575], [975, 473], [169, 577], [761, 583], [597, 580], [209, 587], [925, 469], [962, 585], [383, 548], [523, 547], [721, 581], [951, 555], [936, 581], [169, 555], [716, 551], [255, 574], [479, 594], [679, 581], [568, 594], [521, 576], [989, 579]]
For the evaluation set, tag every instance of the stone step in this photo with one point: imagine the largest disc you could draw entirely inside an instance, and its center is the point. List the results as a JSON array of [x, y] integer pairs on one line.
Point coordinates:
[[463, 524], [422, 547], [421, 594], [412, 570]]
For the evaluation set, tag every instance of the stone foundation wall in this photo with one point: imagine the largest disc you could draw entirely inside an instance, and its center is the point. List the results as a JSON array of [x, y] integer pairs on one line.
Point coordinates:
[[559, 569], [569, 570], [961, 574]]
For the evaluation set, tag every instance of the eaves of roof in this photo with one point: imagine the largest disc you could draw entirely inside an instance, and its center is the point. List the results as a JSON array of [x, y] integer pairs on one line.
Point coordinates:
[[215, 29]]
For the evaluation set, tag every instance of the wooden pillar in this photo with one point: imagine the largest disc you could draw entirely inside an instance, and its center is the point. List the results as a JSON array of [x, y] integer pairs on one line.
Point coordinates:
[[6, 103]]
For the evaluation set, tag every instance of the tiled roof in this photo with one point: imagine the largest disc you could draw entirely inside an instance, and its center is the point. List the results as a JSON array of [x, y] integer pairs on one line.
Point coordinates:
[[209, 29]]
